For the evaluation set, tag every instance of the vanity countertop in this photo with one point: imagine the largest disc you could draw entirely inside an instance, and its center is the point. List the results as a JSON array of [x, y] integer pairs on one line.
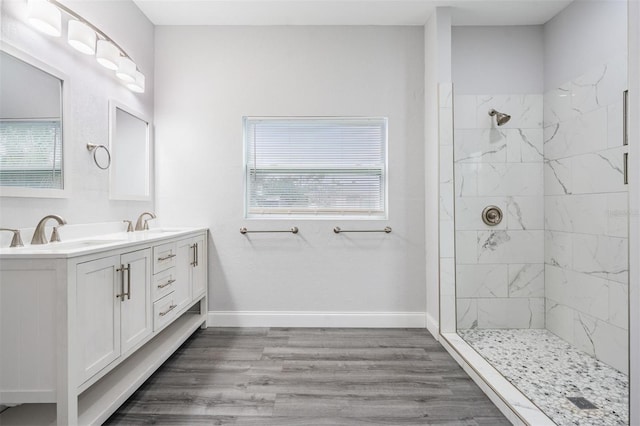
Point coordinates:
[[94, 244]]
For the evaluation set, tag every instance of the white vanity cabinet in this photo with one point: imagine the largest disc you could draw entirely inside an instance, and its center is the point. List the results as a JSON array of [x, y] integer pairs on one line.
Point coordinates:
[[191, 265], [134, 297], [171, 294], [113, 308], [98, 315], [81, 330]]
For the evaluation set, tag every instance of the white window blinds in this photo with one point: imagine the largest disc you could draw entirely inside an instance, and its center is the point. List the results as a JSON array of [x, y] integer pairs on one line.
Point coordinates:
[[31, 153], [316, 166]]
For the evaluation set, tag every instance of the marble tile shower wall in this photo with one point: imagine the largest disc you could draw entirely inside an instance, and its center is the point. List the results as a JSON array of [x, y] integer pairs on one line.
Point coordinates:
[[499, 269], [585, 214]]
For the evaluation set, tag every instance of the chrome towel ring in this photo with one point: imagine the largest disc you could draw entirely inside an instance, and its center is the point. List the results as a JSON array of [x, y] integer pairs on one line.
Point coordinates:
[[102, 164]]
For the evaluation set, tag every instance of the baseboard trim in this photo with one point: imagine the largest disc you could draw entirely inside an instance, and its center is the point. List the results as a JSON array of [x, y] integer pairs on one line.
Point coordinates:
[[316, 319], [433, 327]]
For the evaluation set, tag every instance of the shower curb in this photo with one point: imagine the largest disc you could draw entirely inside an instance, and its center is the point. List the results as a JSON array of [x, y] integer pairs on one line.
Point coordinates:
[[509, 400]]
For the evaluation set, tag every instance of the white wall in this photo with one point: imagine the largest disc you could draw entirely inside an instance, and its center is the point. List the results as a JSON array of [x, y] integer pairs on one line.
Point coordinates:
[[497, 60], [431, 175], [89, 88], [584, 35], [438, 132], [208, 78]]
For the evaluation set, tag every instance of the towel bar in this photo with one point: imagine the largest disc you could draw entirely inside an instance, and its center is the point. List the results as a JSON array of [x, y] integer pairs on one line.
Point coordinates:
[[337, 230], [244, 230]]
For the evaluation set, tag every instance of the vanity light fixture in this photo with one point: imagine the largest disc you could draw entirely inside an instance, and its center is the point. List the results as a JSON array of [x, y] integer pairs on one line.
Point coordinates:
[[137, 85], [126, 70], [81, 37], [107, 54], [46, 16]]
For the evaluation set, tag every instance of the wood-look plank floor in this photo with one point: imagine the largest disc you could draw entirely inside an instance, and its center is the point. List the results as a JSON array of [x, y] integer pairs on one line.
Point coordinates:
[[306, 376]]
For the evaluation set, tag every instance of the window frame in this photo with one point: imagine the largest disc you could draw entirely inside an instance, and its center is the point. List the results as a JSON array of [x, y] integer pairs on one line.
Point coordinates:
[[314, 214]]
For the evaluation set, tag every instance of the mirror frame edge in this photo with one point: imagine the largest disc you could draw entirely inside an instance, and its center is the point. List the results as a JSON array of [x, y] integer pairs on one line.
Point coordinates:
[[113, 106], [25, 192]]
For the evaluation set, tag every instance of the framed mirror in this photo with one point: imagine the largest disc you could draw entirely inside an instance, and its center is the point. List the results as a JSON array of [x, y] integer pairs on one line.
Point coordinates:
[[129, 143], [31, 126]]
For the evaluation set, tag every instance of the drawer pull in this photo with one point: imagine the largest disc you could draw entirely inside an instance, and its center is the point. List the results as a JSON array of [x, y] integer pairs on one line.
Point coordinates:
[[166, 284], [170, 256], [171, 308]]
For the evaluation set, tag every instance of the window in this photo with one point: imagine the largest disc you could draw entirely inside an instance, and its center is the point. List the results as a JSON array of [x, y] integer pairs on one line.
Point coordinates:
[[31, 154], [307, 167]]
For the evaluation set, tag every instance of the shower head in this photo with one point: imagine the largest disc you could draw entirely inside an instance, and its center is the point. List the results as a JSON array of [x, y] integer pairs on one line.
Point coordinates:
[[501, 118]]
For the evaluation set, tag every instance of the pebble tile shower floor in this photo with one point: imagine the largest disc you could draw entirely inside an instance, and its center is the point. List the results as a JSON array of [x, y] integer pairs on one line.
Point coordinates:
[[548, 370]]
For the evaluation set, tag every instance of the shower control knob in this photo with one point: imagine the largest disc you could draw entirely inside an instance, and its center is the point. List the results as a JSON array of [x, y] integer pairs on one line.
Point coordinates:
[[492, 215]]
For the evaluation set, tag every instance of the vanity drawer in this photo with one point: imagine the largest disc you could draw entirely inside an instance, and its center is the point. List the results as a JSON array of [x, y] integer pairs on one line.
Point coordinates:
[[163, 283], [164, 257], [164, 311]]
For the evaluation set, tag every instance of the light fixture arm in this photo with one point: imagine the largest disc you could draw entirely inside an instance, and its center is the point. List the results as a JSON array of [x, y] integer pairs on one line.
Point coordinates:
[[98, 31]]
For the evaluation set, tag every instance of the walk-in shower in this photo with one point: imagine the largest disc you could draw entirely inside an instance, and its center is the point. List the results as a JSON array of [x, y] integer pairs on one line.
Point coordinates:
[[539, 209]]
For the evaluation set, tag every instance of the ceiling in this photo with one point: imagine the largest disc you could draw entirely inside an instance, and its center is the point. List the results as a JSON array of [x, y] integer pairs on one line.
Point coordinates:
[[347, 12]]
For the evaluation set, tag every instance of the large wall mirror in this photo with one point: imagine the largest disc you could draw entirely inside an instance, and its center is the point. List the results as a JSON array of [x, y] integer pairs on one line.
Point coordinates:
[[31, 126], [129, 143]]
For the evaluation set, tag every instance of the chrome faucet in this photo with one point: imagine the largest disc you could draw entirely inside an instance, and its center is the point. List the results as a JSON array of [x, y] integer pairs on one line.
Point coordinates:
[[16, 241], [142, 224], [38, 234]]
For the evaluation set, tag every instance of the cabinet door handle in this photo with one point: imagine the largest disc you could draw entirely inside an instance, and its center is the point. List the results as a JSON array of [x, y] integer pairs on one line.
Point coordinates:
[[170, 256], [166, 284], [197, 254], [625, 160], [121, 270], [171, 308], [128, 281], [194, 262], [625, 117], [122, 294]]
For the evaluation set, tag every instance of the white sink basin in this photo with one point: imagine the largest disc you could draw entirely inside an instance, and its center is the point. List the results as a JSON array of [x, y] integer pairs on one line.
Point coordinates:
[[164, 230], [72, 245]]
